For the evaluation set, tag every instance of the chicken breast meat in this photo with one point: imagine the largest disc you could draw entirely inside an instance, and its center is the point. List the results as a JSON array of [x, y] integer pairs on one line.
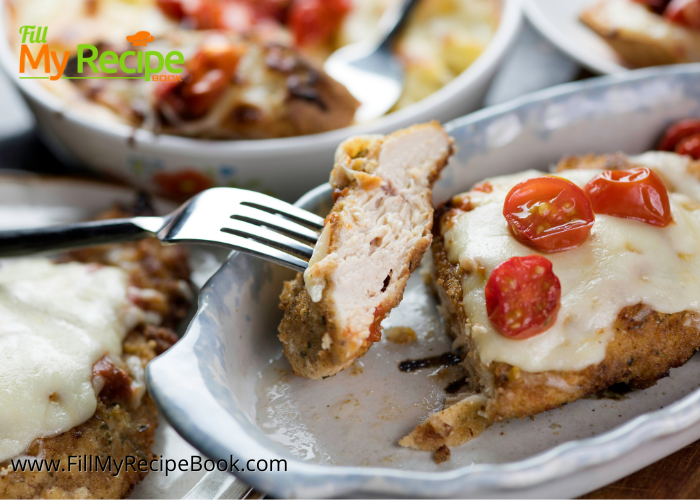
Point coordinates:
[[645, 343], [373, 239]]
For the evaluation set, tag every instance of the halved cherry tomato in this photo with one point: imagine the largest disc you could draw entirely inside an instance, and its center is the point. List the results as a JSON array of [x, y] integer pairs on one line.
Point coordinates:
[[549, 213], [315, 21], [236, 15], [684, 12], [271, 9], [637, 194], [678, 131], [204, 80], [195, 14], [182, 184], [523, 296], [690, 146]]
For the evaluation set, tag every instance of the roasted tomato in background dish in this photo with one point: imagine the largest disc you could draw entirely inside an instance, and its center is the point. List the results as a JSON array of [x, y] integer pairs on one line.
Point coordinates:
[[637, 194], [657, 6], [684, 12], [183, 184], [199, 14], [204, 81], [675, 135], [523, 296], [689, 146], [549, 213], [237, 15], [312, 22], [315, 21]]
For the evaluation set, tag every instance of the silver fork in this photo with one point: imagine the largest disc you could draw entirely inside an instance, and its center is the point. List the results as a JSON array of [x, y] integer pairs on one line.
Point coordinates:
[[246, 221]]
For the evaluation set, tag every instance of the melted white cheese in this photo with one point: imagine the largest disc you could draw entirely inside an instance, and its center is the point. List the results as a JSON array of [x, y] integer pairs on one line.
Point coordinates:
[[622, 263], [57, 321], [441, 39]]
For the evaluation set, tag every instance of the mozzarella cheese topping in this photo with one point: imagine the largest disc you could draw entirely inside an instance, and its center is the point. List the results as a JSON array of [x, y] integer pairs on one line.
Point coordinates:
[[623, 262], [58, 320]]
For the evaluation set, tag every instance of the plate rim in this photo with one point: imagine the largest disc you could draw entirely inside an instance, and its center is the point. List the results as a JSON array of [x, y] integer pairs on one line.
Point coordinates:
[[31, 180], [541, 22], [195, 425]]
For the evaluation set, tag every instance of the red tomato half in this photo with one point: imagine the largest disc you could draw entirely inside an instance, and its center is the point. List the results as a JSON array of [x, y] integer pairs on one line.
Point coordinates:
[[684, 12], [676, 132], [637, 194], [315, 21], [549, 213], [236, 15], [523, 296], [204, 81], [196, 14], [690, 146], [172, 8]]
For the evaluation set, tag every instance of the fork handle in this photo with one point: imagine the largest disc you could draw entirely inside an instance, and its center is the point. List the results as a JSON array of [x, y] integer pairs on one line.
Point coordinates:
[[19, 242]]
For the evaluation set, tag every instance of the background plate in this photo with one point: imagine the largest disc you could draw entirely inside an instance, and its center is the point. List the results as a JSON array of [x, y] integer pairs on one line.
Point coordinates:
[[558, 21], [32, 201]]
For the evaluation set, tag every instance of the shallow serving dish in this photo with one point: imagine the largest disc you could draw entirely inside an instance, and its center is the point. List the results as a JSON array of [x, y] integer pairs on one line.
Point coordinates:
[[227, 389], [286, 167], [28, 200]]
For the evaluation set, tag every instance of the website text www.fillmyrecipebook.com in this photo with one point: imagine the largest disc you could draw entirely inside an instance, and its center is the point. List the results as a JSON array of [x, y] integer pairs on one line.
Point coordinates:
[[91, 463]]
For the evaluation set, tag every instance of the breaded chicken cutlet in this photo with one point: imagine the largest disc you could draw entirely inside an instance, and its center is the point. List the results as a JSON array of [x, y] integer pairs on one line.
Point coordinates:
[[642, 37], [373, 239], [125, 419]]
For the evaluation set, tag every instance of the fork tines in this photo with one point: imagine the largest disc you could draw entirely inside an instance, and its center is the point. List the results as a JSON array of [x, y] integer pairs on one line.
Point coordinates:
[[277, 225]]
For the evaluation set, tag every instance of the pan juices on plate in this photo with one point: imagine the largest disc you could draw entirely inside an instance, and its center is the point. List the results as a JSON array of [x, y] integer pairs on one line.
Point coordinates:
[[558, 286]]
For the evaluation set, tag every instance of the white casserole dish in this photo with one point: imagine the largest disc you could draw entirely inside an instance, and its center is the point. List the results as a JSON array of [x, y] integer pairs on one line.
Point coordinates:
[[285, 167], [226, 388]]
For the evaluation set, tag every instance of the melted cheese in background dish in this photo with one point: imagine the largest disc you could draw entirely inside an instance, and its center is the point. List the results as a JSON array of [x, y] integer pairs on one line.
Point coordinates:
[[58, 320], [623, 262], [441, 39]]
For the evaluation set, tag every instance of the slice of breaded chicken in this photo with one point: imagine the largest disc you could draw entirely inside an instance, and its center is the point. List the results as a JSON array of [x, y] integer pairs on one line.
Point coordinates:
[[641, 37], [642, 346], [373, 239], [126, 418]]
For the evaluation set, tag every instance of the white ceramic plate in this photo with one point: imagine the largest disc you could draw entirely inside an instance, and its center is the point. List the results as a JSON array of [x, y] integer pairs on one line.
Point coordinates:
[[31, 201], [558, 21], [227, 389], [285, 167]]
